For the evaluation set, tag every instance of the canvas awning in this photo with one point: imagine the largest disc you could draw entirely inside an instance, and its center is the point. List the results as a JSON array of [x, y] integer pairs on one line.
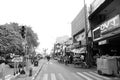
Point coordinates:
[[80, 50]]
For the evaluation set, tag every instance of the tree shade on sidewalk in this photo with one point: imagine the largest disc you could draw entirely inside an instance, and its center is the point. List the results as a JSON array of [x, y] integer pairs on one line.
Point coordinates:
[[35, 70]]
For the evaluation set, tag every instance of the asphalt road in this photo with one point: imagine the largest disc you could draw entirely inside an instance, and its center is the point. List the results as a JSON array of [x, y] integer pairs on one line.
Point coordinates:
[[53, 70]]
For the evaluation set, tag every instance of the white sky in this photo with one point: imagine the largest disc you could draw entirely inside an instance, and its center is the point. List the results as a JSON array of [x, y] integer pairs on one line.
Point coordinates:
[[48, 18]]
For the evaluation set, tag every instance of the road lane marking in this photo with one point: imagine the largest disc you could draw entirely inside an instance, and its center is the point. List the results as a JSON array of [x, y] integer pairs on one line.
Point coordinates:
[[84, 76], [61, 77], [96, 78], [53, 76], [99, 75], [78, 77], [8, 77], [45, 77]]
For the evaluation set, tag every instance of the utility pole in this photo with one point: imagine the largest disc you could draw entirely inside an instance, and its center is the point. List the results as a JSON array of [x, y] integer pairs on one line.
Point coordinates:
[[85, 17], [86, 35], [88, 51]]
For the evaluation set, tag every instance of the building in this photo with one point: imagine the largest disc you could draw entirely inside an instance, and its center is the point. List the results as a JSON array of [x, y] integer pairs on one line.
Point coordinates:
[[59, 45], [105, 25], [81, 34], [62, 39], [78, 29], [67, 46]]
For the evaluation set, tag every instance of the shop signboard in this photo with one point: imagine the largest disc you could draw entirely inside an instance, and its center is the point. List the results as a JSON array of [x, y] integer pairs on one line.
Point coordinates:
[[103, 42], [106, 28], [110, 24]]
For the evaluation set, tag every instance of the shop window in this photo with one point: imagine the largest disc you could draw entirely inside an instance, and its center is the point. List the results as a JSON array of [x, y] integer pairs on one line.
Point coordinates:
[[96, 33]]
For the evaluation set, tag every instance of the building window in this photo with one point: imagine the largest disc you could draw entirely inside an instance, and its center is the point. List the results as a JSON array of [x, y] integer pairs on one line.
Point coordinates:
[[96, 33]]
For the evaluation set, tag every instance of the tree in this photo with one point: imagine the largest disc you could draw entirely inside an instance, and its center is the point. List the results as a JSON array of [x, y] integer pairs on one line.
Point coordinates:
[[11, 40], [32, 39]]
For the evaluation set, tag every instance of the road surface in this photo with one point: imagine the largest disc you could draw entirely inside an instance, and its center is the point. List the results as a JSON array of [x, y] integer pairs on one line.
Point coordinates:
[[52, 70]]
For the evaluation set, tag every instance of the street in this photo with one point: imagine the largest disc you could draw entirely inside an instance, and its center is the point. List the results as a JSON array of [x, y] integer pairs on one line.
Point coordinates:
[[52, 70]]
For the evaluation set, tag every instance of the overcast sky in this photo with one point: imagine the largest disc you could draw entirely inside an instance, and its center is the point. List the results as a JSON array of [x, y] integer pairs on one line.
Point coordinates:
[[48, 18]]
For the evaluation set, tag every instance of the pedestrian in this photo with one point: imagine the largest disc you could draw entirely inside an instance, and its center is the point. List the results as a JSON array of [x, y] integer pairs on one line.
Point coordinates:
[[95, 58], [48, 58], [66, 59], [71, 59]]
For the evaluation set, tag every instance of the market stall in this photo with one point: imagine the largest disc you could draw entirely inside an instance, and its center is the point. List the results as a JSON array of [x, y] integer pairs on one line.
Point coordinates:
[[79, 57]]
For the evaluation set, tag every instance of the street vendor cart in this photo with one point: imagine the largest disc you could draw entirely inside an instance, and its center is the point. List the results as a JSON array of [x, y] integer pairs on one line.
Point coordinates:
[[78, 60], [108, 65]]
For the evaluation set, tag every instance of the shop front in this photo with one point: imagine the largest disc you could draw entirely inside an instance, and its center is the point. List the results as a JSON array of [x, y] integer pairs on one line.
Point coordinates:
[[106, 37], [105, 26], [79, 50]]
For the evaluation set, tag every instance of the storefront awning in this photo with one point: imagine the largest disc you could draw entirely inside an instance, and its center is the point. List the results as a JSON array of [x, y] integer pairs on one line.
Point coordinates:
[[80, 50]]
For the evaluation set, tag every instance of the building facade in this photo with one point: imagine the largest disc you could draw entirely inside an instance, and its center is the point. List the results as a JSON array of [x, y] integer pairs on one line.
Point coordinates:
[[105, 25], [78, 29], [81, 35]]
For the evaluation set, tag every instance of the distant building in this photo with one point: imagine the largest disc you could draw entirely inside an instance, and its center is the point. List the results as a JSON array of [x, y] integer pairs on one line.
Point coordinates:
[[78, 27], [62, 39]]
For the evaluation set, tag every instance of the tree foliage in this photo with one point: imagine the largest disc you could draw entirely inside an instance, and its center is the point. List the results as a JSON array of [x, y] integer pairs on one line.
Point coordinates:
[[11, 40], [32, 40]]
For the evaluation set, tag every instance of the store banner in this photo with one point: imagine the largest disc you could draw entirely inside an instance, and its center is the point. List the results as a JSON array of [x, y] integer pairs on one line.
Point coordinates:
[[106, 28], [79, 50], [110, 24]]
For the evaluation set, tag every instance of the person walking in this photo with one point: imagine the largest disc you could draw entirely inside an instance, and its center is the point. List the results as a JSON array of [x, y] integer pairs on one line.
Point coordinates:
[[71, 59], [66, 59], [48, 58]]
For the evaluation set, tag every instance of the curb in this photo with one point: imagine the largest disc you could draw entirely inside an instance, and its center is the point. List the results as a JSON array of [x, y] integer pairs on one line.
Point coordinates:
[[37, 72], [14, 76]]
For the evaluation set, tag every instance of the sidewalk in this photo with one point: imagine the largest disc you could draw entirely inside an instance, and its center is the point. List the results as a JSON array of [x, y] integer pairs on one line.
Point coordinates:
[[35, 70]]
